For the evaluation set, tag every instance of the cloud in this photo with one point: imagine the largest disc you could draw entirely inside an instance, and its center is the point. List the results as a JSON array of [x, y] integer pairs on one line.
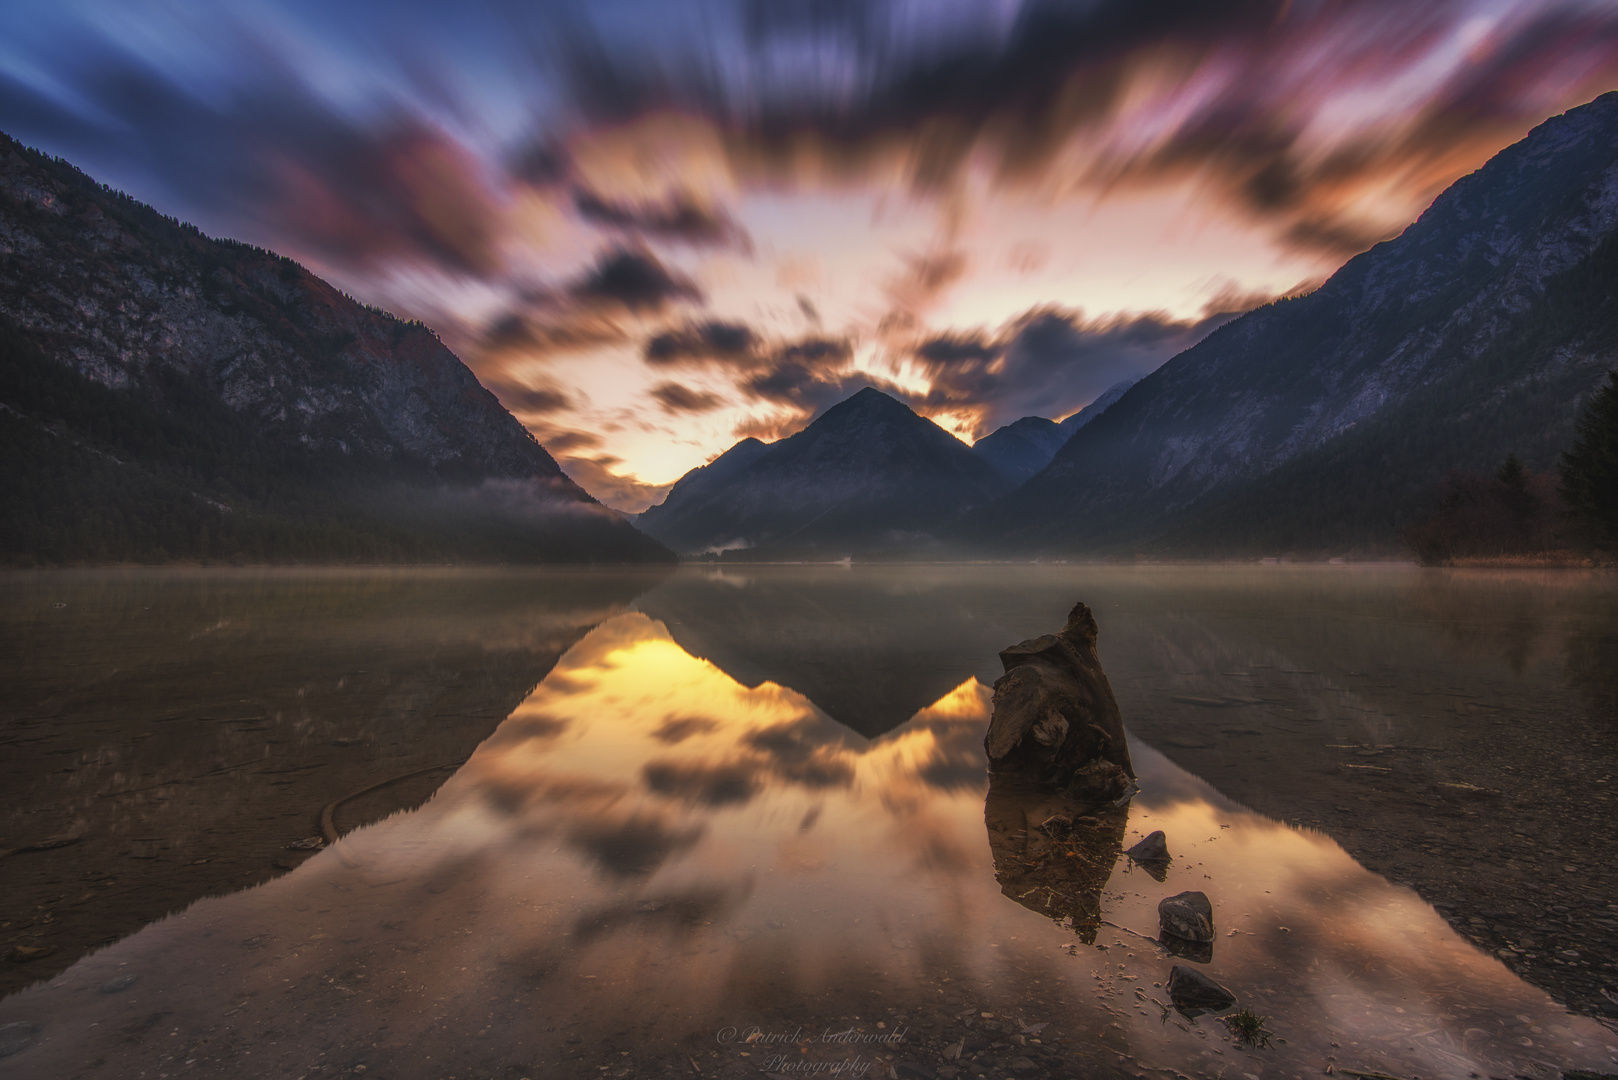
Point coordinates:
[[1052, 361], [679, 218], [544, 327], [733, 344], [273, 159], [677, 398], [565, 442], [522, 400], [806, 375], [1228, 93], [597, 474], [925, 279], [634, 278]]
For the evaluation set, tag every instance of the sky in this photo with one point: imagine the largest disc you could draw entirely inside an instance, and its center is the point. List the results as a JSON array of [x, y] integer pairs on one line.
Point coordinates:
[[654, 227]]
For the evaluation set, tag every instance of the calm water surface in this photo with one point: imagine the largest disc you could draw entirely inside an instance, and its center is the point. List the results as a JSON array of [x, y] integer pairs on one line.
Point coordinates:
[[744, 825]]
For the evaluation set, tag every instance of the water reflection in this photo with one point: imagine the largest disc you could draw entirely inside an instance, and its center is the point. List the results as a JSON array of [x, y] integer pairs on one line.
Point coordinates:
[[182, 728], [1053, 855], [649, 858], [868, 646]]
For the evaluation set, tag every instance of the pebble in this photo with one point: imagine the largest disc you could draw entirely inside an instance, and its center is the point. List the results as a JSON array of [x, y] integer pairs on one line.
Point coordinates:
[[16, 1037], [121, 983]]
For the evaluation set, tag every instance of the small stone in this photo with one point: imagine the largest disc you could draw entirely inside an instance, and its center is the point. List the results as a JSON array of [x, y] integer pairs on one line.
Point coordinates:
[[1188, 916], [1569, 954], [308, 843], [17, 1037], [24, 953], [1193, 993], [1022, 1065], [1154, 848], [118, 985]]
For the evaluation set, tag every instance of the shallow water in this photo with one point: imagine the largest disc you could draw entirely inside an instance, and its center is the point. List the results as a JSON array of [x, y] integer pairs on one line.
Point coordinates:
[[754, 807]]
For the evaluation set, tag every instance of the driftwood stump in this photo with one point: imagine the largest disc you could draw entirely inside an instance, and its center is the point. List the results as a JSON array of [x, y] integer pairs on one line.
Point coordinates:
[[1055, 719]]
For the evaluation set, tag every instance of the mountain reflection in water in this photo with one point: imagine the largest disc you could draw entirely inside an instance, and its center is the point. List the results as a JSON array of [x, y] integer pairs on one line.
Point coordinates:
[[649, 858]]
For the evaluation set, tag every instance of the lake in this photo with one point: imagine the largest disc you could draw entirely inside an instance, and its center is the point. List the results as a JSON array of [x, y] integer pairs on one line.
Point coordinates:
[[719, 823]]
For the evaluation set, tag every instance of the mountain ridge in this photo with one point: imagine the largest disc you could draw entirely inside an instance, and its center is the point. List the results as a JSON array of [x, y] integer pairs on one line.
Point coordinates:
[[867, 474], [273, 415], [1294, 376]]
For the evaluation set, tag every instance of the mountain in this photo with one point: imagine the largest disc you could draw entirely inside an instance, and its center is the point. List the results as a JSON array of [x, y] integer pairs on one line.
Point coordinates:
[[868, 474], [166, 395], [1323, 422], [1023, 447], [698, 484], [1095, 408]]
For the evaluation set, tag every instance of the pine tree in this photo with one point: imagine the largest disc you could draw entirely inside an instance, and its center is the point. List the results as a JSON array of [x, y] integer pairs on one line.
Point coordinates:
[[1590, 469]]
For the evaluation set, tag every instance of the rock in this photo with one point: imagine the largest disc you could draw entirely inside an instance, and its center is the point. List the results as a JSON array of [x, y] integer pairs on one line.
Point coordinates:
[[308, 843], [1199, 951], [17, 1037], [118, 985], [914, 1070], [1188, 916], [1193, 993], [1155, 848], [1055, 717], [1022, 1065], [24, 953]]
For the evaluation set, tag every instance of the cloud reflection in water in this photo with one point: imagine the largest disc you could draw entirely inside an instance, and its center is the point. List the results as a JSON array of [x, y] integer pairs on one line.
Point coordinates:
[[647, 851]]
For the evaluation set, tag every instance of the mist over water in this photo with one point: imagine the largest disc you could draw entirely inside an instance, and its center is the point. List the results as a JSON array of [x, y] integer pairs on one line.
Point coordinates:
[[754, 804]]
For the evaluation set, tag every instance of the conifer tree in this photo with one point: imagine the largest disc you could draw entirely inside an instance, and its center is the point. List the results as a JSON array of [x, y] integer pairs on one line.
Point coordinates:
[[1589, 470]]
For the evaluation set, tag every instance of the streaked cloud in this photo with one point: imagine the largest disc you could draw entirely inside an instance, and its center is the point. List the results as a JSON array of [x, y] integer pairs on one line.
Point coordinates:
[[989, 209]]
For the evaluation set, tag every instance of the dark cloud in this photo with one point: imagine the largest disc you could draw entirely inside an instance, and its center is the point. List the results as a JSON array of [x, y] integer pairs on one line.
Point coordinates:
[[545, 328], [231, 134], [530, 400], [679, 218], [809, 375], [634, 278], [273, 162], [566, 442], [678, 398], [805, 376], [948, 349], [732, 344], [1052, 361], [540, 165], [1020, 93]]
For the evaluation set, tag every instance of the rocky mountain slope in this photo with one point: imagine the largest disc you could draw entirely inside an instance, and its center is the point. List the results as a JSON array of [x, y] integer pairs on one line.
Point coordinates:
[[1023, 447], [1095, 408], [869, 474], [1322, 422], [169, 395]]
